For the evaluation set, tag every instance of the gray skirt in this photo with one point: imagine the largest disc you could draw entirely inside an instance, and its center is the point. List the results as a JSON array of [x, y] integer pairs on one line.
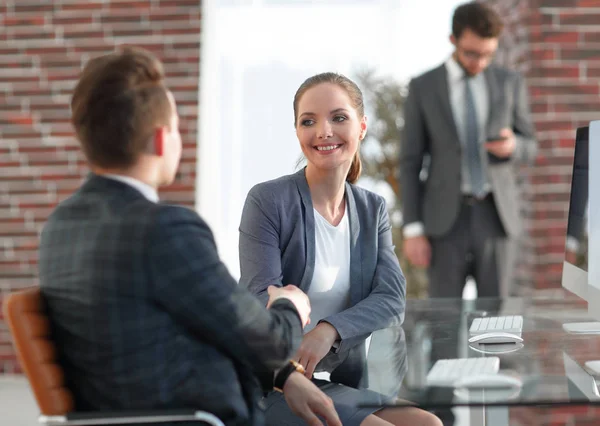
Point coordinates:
[[345, 399]]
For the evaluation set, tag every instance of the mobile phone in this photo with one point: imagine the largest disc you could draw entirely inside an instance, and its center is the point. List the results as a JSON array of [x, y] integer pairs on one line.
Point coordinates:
[[496, 138]]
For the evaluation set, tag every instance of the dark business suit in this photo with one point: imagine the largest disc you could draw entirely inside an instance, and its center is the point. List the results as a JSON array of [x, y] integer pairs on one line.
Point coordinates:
[[438, 202], [146, 315]]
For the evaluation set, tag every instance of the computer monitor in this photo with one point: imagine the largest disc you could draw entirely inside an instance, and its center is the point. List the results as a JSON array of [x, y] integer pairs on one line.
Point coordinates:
[[583, 229], [575, 264], [593, 296]]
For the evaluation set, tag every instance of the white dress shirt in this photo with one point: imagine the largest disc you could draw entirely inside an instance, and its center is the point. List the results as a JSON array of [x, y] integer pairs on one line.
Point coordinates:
[[146, 190], [456, 89]]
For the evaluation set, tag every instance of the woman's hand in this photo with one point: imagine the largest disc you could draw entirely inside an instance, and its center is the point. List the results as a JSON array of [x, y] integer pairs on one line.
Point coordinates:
[[307, 401], [315, 345]]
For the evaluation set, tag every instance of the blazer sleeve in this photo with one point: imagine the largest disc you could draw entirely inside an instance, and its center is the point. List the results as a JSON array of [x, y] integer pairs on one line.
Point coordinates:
[[192, 284], [260, 255], [526, 149], [413, 147], [385, 305]]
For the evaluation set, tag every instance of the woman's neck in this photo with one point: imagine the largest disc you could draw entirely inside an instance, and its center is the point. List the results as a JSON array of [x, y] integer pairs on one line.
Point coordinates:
[[327, 190]]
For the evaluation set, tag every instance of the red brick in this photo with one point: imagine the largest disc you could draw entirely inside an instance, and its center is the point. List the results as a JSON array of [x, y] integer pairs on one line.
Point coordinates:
[[564, 89], [87, 6], [593, 72], [181, 4], [135, 32], [142, 5], [85, 34], [31, 34], [71, 19], [24, 8], [559, 37], [15, 118], [14, 21], [568, 18], [53, 50], [577, 54], [543, 54], [19, 79], [556, 71], [131, 17], [558, 3]]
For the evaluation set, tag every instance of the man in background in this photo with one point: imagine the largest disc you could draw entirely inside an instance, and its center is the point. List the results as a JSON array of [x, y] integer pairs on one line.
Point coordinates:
[[467, 130]]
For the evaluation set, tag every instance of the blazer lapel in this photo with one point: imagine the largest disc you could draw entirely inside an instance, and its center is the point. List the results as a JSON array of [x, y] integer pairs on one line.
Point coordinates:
[[356, 281], [309, 229], [443, 92]]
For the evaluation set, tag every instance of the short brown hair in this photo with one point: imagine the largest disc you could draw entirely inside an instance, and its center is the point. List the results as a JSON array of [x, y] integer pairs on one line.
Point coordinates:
[[118, 103], [479, 18], [356, 98]]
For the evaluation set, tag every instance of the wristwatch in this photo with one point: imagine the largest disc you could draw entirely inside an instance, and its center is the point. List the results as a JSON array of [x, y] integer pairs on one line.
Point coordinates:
[[283, 374]]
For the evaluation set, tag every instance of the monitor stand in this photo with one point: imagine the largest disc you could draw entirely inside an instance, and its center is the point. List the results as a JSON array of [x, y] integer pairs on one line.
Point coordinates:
[[582, 327]]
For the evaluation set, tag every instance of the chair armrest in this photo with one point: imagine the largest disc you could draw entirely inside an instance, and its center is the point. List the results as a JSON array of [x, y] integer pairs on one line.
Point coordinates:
[[130, 417]]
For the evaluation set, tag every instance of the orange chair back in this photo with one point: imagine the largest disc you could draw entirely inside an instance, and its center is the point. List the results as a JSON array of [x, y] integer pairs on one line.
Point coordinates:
[[29, 325]]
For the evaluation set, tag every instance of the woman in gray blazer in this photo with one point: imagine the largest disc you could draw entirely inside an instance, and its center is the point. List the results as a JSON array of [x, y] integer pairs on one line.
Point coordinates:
[[317, 230]]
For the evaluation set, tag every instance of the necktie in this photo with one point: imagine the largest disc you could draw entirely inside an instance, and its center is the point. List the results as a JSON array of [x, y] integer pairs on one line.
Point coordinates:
[[473, 153]]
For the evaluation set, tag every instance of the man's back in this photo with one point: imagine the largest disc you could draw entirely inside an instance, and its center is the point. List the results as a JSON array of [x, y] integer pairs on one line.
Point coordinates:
[[143, 311]]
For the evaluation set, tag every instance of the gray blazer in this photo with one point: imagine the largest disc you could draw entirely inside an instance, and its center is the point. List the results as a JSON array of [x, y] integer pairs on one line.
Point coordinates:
[[430, 131], [277, 246]]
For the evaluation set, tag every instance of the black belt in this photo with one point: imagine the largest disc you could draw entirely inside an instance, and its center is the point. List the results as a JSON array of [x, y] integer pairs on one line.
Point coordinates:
[[470, 199]]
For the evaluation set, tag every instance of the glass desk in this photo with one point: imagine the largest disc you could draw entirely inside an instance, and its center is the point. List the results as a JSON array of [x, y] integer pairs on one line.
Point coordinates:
[[550, 362]]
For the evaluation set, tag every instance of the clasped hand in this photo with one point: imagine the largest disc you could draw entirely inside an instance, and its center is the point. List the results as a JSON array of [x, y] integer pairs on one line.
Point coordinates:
[[315, 345]]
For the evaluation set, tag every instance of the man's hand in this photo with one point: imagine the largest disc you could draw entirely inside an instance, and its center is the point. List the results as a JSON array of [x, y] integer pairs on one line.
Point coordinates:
[[315, 345], [294, 295], [418, 251], [503, 148], [307, 401]]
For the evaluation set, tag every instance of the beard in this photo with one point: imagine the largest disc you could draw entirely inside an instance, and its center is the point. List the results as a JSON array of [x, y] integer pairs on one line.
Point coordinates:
[[462, 66]]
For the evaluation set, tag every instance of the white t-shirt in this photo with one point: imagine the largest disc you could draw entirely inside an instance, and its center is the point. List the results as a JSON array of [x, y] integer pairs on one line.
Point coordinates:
[[329, 291]]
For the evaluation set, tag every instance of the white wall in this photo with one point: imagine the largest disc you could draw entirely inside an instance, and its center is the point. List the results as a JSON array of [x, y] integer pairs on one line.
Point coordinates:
[[254, 56]]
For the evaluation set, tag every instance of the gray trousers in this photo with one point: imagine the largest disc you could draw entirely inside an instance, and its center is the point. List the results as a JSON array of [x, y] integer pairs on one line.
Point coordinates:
[[475, 246]]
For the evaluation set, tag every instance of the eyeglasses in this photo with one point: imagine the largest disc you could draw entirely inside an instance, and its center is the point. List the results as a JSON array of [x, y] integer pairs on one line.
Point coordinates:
[[473, 55]]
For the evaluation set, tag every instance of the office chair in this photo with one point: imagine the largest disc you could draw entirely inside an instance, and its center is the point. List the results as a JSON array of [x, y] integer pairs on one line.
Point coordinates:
[[30, 329]]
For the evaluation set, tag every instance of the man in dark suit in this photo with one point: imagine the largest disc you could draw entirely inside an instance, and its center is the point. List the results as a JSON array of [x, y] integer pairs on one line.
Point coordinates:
[[467, 129], [142, 309]]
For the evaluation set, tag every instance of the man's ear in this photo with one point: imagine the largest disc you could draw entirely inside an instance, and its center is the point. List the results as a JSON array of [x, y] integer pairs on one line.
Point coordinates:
[[159, 141], [452, 39]]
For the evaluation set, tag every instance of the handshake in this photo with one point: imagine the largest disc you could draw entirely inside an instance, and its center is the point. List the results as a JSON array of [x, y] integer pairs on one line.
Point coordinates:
[[294, 295]]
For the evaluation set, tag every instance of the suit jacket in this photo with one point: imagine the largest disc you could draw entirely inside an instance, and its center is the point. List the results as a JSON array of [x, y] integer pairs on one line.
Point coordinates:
[[146, 315], [277, 247], [430, 131]]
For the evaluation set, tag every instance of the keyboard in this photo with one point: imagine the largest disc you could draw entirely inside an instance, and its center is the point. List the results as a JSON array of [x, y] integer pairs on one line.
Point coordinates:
[[447, 371], [512, 324]]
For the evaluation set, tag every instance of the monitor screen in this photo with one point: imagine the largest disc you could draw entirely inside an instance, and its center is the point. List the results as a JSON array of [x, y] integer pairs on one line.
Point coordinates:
[[593, 297], [575, 267]]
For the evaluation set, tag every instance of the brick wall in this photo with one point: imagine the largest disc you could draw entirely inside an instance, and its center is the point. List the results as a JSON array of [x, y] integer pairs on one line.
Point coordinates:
[[43, 45], [556, 44]]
